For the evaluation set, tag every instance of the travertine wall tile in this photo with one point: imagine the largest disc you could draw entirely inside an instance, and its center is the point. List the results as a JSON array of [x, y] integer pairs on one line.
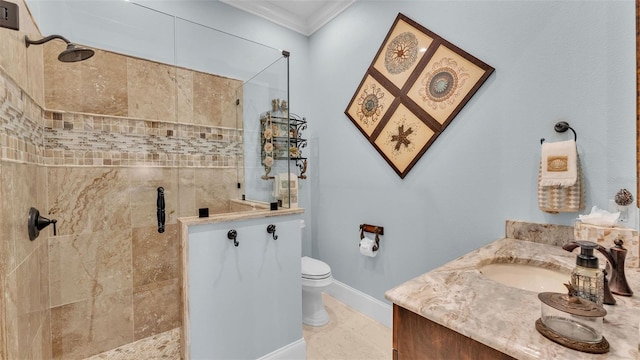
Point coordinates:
[[232, 111], [145, 182], [88, 200], [118, 85], [27, 22], [47, 340], [88, 265], [96, 86], [8, 224], [184, 93], [41, 348], [156, 308], [10, 299], [43, 341], [31, 311], [24, 273], [208, 99], [187, 192], [214, 101], [19, 191], [3, 259], [214, 188], [26, 311], [22, 64], [151, 90], [34, 61], [92, 326], [155, 255], [13, 55]]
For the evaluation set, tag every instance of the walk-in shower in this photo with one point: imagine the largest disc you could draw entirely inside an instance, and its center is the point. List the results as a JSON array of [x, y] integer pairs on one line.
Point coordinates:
[[90, 144]]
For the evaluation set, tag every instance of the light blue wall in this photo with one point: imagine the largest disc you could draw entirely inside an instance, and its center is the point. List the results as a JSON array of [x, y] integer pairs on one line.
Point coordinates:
[[554, 60]]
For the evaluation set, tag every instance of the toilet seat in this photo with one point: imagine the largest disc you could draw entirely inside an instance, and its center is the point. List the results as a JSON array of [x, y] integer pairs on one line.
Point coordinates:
[[313, 269]]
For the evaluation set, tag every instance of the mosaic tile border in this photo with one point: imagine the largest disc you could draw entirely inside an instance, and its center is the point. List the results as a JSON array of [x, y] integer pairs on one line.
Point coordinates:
[[98, 140], [21, 132], [32, 135]]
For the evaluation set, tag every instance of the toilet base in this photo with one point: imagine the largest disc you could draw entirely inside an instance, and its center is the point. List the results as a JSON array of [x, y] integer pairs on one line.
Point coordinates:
[[313, 311]]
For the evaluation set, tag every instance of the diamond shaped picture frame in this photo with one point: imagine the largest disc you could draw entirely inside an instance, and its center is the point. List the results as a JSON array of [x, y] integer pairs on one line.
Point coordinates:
[[415, 86]]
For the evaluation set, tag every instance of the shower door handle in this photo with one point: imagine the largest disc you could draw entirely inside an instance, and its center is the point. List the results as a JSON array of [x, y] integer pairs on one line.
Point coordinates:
[[160, 209]]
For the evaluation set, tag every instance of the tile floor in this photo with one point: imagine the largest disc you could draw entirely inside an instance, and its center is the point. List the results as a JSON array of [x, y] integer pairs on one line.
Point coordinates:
[[349, 335]]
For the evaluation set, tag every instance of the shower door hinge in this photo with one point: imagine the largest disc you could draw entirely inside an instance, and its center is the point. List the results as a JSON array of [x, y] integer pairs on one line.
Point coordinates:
[[237, 101], [9, 15]]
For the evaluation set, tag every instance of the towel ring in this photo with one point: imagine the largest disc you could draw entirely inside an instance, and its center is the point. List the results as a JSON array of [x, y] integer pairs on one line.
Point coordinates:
[[561, 127]]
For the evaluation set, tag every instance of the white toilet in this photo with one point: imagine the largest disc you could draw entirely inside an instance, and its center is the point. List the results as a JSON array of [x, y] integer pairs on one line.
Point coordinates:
[[316, 277]]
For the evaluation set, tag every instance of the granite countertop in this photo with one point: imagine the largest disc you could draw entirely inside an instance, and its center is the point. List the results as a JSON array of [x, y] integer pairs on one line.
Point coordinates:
[[457, 296]]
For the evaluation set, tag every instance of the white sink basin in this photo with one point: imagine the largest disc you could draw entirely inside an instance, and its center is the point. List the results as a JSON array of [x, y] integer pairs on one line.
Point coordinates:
[[527, 277]]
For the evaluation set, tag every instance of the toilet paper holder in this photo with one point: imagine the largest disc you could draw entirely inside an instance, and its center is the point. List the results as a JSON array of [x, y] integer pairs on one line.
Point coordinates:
[[374, 229]]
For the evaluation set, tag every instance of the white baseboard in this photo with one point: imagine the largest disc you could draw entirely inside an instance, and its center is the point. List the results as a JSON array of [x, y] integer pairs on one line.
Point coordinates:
[[370, 306], [297, 350]]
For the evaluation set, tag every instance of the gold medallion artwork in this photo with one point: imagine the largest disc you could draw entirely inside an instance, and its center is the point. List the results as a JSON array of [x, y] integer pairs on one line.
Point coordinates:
[[370, 104], [402, 138], [401, 53], [443, 85], [416, 85]]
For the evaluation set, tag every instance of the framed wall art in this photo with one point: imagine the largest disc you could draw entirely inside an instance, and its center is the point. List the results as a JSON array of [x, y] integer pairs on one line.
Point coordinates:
[[415, 86]]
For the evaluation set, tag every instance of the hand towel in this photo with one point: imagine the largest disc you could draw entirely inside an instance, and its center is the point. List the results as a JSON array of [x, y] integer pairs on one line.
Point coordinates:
[[555, 198], [559, 163]]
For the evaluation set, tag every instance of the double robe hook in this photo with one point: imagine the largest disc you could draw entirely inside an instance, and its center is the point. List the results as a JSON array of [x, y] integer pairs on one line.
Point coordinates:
[[271, 229]]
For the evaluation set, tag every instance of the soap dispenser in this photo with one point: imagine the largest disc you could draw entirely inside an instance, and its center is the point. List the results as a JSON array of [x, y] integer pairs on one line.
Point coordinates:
[[587, 278]]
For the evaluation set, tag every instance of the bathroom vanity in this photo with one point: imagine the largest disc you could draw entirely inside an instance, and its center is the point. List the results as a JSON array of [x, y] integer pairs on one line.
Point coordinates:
[[241, 288], [456, 312]]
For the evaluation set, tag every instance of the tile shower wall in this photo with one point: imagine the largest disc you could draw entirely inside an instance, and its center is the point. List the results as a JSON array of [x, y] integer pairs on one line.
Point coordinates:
[[25, 316], [116, 129], [88, 144]]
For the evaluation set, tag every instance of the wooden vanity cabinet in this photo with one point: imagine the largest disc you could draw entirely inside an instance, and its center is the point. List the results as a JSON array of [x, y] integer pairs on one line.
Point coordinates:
[[416, 337]]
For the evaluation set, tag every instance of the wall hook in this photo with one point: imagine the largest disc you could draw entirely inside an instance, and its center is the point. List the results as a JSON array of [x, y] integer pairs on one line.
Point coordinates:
[[271, 229], [36, 223], [232, 235]]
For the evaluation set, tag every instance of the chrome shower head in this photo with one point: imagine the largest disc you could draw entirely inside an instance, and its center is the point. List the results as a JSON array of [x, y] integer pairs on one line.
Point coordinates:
[[71, 54]]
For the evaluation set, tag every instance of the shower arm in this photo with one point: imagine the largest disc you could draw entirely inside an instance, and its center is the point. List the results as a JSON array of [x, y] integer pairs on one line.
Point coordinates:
[[28, 41]]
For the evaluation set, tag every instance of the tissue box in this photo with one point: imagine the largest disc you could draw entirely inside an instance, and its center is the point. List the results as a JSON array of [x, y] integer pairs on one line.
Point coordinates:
[[605, 236]]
